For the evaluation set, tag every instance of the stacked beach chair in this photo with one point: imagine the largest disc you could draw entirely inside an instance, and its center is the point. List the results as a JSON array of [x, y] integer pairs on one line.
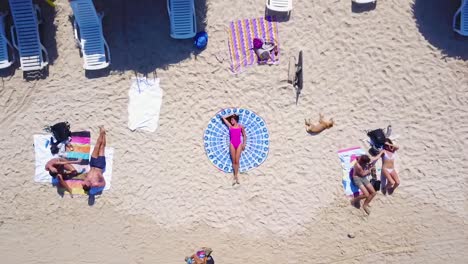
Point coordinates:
[[279, 5], [7, 57], [25, 35], [461, 15], [89, 36], [182, 18]]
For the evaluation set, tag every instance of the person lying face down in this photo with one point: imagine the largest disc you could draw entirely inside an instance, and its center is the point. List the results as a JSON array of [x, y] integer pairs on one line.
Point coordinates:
[[62, 169], [95, 177]]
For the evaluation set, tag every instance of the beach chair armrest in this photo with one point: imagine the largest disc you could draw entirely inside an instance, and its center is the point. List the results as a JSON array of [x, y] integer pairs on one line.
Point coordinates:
[[76, 34], [38, 13], [107, 51], [168, 8], [13, 37], [46, 55], [455, 18], [194, 17]]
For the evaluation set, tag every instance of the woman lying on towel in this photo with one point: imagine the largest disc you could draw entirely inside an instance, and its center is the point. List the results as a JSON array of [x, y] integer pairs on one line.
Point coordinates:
[[236, 145], [388, 166], [62, 169]]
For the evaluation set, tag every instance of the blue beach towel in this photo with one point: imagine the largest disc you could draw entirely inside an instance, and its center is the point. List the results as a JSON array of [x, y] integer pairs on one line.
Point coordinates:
[[216, 140]]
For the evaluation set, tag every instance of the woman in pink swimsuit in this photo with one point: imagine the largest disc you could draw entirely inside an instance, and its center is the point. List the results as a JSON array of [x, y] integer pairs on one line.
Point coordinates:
[[388, 166], [236, 145]]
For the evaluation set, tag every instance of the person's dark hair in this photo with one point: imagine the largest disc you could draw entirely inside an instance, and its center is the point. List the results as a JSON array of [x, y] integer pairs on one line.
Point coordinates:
[[364, 159], [86, 188], [387, 140], [53, 174], [236, 117]]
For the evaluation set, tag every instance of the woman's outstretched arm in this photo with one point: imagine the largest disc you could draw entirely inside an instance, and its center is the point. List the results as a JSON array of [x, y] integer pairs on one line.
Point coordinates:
[[225, 120]]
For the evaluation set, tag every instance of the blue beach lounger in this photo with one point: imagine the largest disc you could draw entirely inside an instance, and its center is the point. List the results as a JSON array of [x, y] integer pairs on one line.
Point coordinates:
[[88, 34], [25, 35], [279, 5], [462, 12], [182, 18]]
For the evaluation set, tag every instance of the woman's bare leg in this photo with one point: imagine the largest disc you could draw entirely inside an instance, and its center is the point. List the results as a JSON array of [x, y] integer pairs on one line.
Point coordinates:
[[232, 151], [238, 154], [390, 181], [396, 179]]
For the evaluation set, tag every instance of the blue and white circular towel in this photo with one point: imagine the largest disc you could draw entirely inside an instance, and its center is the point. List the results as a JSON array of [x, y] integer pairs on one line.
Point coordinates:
[[216, 139]]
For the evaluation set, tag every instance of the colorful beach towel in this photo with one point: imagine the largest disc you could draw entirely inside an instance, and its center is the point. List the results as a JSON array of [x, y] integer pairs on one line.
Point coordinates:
[[348, 158], [43, 155], [216, 140], [241, 35], [81, 143]]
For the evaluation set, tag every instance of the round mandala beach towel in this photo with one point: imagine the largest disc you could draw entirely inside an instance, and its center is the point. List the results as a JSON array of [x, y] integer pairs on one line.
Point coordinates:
[[216, 139]]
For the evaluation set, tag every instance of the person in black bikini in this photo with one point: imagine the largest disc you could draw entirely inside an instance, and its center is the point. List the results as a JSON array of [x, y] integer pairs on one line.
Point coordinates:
[[94, 178]]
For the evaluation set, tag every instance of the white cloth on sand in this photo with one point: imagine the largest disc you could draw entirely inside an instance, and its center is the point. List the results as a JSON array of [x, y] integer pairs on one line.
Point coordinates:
[[42, 155], [145, 99]]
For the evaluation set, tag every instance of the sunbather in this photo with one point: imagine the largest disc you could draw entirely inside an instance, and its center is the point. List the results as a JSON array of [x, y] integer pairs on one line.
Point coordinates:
[[236, 145], [202, 256], [388, 166], [94, 178], [62, 169], [361, 170]]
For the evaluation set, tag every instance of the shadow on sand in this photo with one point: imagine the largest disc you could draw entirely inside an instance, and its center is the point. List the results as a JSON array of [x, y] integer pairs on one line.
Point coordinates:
[[138, 35], [434, 20]]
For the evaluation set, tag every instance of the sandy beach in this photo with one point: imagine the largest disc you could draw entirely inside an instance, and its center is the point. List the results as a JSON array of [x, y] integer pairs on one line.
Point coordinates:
[[398, 64]]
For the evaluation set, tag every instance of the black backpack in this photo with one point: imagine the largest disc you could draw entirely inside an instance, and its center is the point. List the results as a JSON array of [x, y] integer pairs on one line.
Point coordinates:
[[377, 137], [61, 131]]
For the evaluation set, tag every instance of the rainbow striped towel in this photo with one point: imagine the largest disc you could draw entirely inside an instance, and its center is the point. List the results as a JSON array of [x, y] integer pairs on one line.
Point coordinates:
[[241, 35], [81, 143]]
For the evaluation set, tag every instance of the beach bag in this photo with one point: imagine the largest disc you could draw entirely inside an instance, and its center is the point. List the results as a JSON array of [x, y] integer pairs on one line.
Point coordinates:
[[376, 184], [61, 131], [201, 40], [377, 137]]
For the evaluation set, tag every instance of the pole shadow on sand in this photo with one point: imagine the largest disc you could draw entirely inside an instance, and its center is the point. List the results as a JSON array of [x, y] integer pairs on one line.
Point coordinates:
[[434, 20], [138, 34]]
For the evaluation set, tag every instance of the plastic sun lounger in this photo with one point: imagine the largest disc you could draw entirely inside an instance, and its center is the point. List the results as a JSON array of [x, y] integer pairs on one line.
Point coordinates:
[[5, 46], [182, 18], [463, 13], [279, 5], [88, 33], [25, 35]]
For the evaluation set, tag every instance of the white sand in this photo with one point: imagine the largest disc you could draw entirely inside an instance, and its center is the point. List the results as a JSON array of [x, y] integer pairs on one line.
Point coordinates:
[[389, 65]]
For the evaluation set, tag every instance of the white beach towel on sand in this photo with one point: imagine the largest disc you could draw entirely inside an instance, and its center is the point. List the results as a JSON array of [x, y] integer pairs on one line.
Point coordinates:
[[145, 99], [42, 155]]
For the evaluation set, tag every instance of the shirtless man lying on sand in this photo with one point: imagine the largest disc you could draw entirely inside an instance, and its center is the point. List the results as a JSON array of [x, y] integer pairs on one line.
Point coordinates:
[[94, 178]]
